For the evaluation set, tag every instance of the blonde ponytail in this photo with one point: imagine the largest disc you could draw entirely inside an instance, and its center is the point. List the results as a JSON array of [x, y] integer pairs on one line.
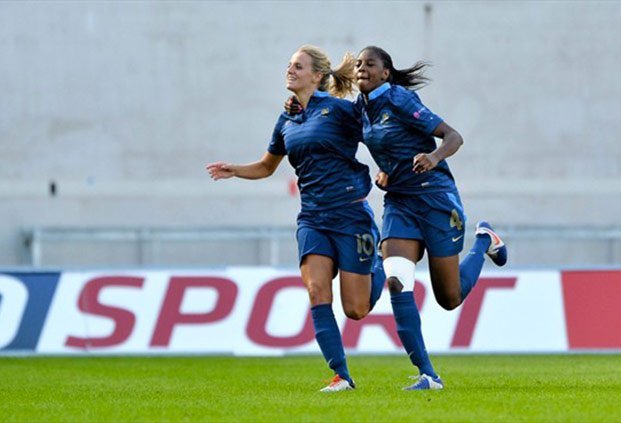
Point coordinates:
[[342, 83], [338, 82]]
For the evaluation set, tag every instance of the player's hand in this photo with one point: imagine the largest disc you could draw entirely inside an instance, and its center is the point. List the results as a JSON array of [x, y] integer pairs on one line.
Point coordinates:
[[424, 162], [293, 106], [220, 170], [381, 179]]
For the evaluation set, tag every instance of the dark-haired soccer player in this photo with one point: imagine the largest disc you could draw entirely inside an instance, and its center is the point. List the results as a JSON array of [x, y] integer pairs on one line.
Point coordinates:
[[336, 228], [422, 208]]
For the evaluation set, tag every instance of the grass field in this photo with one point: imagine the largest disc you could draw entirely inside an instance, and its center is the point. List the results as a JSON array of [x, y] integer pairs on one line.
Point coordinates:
[[478, 388]]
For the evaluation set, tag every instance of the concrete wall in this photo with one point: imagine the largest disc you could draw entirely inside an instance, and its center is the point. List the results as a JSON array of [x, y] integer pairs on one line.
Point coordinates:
[[121, 104]]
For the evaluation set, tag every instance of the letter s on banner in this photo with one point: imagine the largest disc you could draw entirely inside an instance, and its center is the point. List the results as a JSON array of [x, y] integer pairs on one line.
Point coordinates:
[[89, 303]]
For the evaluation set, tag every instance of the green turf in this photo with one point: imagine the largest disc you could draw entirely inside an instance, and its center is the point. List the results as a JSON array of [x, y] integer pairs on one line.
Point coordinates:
[[478, 388]]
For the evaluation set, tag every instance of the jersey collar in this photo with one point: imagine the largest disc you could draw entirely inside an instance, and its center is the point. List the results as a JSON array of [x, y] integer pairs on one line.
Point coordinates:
[[379, 91], [301, 117], [318, 93]]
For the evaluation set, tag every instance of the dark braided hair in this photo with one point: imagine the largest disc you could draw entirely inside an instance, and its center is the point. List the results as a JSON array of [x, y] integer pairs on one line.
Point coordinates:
[[411, 78]]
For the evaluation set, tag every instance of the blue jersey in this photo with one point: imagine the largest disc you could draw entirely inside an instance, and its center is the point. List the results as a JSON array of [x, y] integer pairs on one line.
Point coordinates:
[[321, 143], [397, 127]]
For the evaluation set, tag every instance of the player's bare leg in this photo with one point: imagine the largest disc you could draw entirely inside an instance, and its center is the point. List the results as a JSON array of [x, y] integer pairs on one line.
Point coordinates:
[[317, 272], [445, 281], [355, 293], [452, 281]]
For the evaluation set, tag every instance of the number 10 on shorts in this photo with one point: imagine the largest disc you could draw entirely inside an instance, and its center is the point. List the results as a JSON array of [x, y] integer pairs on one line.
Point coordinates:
[[365, 244]]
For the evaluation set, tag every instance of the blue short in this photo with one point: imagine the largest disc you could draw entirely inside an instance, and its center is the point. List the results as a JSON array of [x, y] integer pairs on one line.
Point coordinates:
[[436, 219], [348, 235]]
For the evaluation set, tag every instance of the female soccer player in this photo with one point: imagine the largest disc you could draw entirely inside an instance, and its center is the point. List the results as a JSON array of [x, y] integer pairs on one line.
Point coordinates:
[[336, 228], [422, 208]]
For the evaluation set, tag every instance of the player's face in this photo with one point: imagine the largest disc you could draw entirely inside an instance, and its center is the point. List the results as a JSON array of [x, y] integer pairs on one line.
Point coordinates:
[[370, 71], [300, 75]]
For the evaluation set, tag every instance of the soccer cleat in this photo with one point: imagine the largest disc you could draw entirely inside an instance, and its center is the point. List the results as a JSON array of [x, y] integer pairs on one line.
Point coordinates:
[[497, 250], [425, 382], [339, 384]]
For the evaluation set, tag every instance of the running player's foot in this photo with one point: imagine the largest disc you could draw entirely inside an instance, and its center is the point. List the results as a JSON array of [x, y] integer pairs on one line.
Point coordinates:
[[338, 384], [425, 382], [497, 250]]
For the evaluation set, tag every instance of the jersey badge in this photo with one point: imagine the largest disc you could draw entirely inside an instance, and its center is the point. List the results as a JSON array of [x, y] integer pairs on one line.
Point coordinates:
[[385, 118], [417, 113], [325, 111]]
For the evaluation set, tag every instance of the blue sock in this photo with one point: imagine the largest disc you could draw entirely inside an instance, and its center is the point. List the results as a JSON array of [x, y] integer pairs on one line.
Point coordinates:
[[470, 267], [329, 339], [378, 279], [409, 330]]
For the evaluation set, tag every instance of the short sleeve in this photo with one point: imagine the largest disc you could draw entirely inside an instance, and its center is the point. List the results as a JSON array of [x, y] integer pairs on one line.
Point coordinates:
[[277, 143], [408, 106]]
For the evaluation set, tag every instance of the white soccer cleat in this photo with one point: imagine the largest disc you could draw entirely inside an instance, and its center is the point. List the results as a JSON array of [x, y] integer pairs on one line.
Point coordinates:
[[425, 382], [339, 384], [497, 250]]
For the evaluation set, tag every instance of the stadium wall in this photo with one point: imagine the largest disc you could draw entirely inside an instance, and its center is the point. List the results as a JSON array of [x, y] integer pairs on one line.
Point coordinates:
[[264, 311], [109, 110]]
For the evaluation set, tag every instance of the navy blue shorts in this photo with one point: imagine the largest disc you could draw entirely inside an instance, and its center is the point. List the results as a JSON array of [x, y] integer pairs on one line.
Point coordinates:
[[436, 219], [348, 235]]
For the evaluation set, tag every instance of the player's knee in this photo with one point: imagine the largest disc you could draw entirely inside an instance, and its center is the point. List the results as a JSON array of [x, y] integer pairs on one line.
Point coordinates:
[[356, 312], [394, 285], [399, 274], [318, 295], [449, 301]]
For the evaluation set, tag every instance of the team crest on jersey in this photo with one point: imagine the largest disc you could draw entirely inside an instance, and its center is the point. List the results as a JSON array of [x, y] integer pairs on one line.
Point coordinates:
[[385, 118], [325, 111]]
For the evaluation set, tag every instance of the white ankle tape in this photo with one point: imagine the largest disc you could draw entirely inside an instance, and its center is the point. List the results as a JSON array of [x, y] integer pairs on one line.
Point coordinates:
[[402, 269]]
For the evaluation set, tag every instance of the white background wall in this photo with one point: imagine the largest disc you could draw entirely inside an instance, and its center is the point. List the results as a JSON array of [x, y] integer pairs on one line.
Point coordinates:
[[121, 104]]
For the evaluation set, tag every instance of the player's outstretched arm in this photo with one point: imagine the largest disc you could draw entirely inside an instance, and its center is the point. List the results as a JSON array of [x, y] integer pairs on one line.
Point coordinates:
[[451, 141], [256, 170]]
